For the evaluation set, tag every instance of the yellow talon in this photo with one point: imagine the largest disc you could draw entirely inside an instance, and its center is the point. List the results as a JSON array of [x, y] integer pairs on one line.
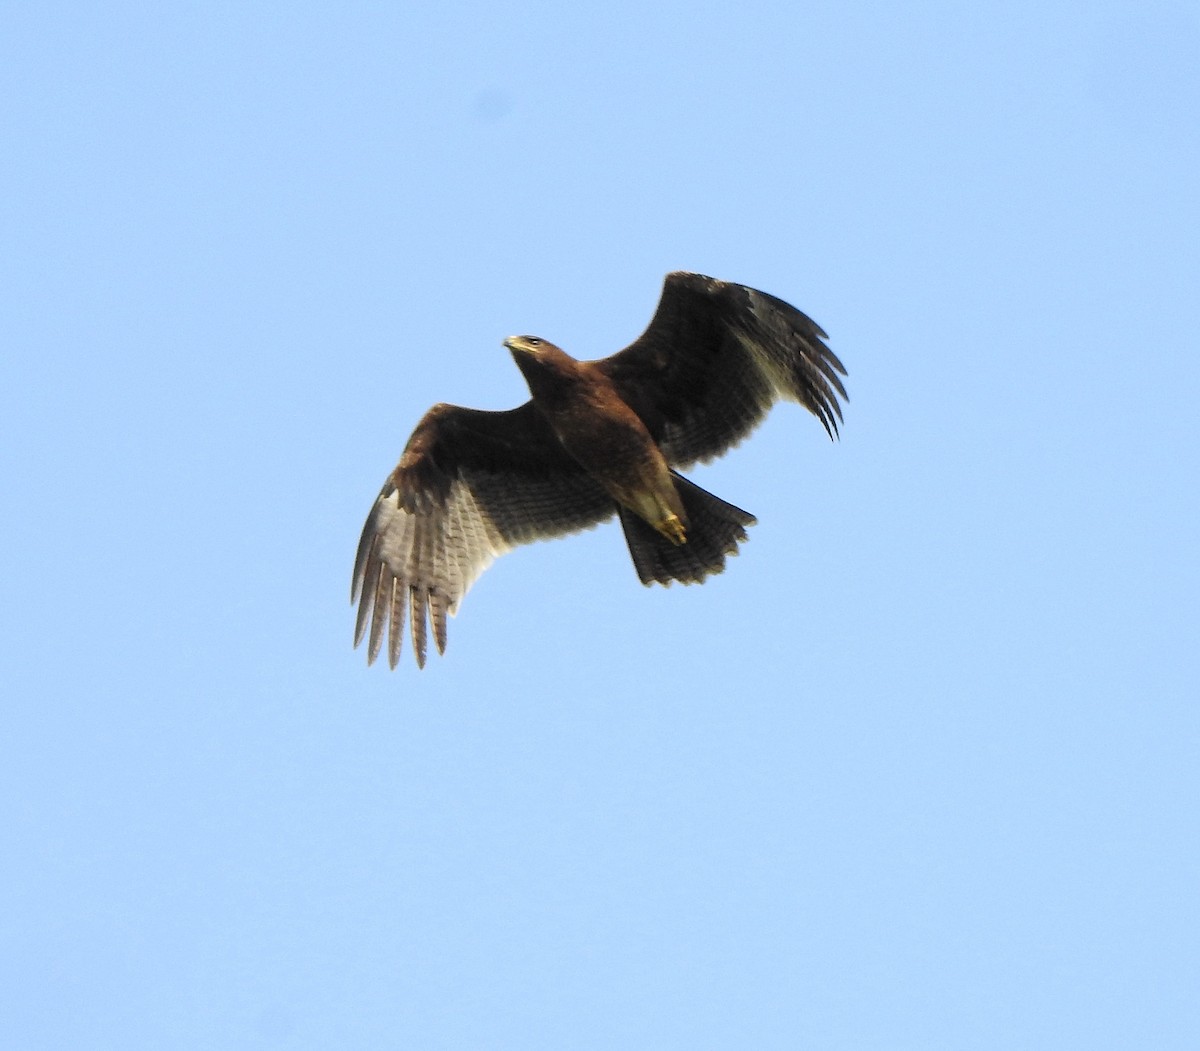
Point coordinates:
[[672, 529]]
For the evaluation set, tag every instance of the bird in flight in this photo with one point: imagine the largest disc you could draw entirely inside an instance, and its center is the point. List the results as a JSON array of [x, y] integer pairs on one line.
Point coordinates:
[[596, 439]]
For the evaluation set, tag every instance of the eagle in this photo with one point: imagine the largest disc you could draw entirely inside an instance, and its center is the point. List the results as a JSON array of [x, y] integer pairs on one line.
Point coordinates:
[[596, 439]]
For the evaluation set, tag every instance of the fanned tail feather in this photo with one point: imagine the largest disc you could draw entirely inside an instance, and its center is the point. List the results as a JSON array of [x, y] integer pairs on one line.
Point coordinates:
[[715, 529]]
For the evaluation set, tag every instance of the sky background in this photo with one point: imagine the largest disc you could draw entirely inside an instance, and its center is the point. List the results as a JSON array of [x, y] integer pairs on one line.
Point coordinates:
[[920, 770]]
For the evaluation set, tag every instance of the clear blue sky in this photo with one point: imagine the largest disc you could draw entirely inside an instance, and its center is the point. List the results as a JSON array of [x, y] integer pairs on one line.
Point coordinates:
[[921, 770]]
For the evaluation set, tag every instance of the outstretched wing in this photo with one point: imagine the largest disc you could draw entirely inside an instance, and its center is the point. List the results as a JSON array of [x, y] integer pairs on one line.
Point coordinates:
[[714, 360], [470, 486]]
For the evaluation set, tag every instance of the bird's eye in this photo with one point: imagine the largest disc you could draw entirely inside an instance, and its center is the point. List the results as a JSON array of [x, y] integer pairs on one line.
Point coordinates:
[[533, 341]]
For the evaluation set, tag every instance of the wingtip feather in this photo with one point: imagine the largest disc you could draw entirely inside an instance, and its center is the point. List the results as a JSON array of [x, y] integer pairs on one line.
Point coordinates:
[[417, 611]]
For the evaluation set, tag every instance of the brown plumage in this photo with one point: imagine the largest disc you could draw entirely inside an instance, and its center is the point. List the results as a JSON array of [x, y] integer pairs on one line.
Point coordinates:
[[596, 439]]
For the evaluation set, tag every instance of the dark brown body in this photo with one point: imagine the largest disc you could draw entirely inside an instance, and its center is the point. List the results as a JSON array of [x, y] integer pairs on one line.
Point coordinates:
[[602, 433]]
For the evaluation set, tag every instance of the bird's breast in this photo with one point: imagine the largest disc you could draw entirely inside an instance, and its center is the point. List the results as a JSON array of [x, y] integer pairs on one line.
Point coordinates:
[[602, 432]]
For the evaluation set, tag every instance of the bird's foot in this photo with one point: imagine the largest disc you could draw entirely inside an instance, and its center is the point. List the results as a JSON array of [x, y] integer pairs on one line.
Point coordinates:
[[672, 529]]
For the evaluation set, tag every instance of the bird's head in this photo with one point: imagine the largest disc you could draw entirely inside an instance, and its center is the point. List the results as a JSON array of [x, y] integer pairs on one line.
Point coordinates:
[[535, 353], [528, 346], [544, 365]]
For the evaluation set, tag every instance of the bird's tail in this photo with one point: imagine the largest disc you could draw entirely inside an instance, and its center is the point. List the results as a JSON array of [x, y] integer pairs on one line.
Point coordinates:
[[714, 530]]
